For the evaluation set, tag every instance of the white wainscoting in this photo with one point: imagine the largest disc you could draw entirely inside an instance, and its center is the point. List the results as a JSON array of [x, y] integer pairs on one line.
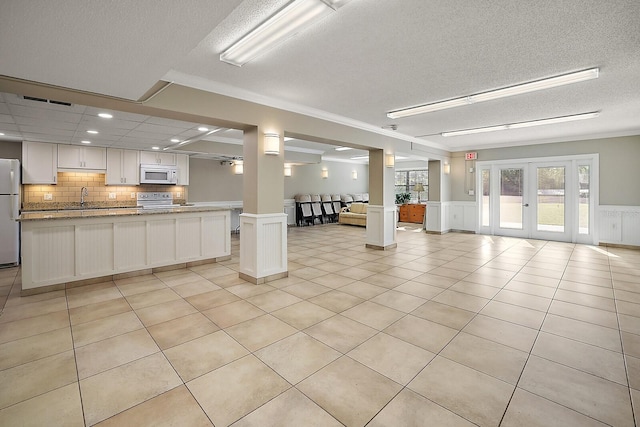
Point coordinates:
[[619, 225], [381, 226], [263, 245], [442, 217], [68, 250]]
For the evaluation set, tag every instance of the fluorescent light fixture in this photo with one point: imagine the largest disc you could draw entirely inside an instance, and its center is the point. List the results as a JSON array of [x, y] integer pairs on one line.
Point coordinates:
[[287, 170], [287, 22], [271, 144], [343, 148], [1, 134], [287, 138], [155, 148], [85, 142], [360, 158], [203, 129], [93, 132], [520, 125], [105, 115], [175, 140], [325, 174], [533, 86]]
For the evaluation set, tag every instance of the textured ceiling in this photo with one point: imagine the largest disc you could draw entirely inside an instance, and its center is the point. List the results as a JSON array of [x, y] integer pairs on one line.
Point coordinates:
[[369, 57]]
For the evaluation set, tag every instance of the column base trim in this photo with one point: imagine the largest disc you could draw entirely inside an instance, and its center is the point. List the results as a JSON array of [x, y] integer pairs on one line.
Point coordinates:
[[381, 248], [263, 280]]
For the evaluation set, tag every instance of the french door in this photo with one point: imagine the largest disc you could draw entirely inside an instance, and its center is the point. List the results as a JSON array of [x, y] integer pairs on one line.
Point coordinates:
[[550, 199]]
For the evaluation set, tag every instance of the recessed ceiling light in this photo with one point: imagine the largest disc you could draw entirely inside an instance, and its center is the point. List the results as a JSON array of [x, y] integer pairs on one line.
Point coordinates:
[[155, 148], [343, 148], [92, 132], [203, 129], [1, 134], [86, 142], [105, 115], [175, 140]]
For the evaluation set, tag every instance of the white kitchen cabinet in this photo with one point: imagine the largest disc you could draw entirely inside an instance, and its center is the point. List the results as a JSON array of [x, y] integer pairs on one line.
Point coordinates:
[[39, 163], [123, 167], [183, 169], [157, 158], [80, 157]]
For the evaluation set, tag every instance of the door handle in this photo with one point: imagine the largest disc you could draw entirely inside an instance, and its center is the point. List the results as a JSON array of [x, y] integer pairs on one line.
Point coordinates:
[[526, 205]]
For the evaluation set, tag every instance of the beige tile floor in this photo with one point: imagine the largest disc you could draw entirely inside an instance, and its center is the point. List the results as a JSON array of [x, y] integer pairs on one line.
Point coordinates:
[[448, 330]]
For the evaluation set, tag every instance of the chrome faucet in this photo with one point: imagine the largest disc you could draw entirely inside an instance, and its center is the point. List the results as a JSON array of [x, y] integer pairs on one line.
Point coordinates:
[[83, 192]]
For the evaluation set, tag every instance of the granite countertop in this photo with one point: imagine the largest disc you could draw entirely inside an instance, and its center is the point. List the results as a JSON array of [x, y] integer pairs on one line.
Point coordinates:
[[94, 213]]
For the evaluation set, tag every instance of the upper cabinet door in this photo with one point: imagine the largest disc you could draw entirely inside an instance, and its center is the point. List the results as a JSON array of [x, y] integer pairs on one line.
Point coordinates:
[[78, 157], [94, 157], [157, 158], [39, 163], [131, 167], [69, 156], [123, 167]]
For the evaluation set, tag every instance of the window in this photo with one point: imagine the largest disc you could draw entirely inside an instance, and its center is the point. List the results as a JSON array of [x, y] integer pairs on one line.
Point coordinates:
[[406, 181]]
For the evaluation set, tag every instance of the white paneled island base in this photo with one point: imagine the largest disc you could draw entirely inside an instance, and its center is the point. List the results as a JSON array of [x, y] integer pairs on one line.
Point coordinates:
[[59, 250]]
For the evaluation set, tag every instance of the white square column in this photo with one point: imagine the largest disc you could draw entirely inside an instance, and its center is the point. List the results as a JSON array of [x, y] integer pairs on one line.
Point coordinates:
[[381, 212], [263, 223]]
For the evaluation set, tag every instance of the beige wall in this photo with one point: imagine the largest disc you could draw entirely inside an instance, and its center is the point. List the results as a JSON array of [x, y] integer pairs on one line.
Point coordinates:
[[619, 172], [210, 182], [307, 179]]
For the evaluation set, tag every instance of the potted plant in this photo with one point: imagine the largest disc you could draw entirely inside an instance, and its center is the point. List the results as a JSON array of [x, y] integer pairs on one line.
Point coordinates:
[[402, 198]]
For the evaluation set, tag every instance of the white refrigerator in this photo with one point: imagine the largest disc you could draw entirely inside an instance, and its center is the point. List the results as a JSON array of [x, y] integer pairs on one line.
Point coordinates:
[[9, 211]]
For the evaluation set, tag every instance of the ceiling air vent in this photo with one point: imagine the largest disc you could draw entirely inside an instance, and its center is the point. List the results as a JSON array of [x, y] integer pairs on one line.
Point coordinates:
[[46, 101]]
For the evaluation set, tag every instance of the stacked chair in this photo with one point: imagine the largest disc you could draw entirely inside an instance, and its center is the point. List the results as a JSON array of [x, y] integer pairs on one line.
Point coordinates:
[[365, 197], [335, 201], [327, 209], [357, 198], [304, 213], [316, 208]]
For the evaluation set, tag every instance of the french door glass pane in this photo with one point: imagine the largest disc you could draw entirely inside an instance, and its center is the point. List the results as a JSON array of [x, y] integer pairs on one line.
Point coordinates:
[[511, 181], [486, 212], [583, 204], [551, 199]]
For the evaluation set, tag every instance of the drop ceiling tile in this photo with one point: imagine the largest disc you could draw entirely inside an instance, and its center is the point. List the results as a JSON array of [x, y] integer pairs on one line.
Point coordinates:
[[45, 114]]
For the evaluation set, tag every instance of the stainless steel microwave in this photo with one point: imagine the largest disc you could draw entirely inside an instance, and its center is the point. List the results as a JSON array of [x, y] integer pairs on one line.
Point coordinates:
[[155, 174]]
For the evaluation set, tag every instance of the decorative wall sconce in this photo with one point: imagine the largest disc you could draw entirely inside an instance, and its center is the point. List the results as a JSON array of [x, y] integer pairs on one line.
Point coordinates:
[[390, 160], [446, 168], [238, 167], [325, 174], [354, 175], [287, 170], [272, 144]]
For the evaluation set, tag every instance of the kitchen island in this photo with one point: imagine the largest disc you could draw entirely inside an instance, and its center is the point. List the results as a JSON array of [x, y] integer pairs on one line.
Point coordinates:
[[71, 247]]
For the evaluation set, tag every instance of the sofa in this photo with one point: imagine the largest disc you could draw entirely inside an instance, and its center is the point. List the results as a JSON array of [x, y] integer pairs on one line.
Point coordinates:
[[356, 214]]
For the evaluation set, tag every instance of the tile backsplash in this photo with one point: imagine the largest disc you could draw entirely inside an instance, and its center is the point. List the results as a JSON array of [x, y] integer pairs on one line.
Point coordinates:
[[67, 192]]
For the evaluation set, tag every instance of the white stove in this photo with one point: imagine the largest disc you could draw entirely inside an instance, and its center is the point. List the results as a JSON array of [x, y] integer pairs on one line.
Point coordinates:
[[148, 200]]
